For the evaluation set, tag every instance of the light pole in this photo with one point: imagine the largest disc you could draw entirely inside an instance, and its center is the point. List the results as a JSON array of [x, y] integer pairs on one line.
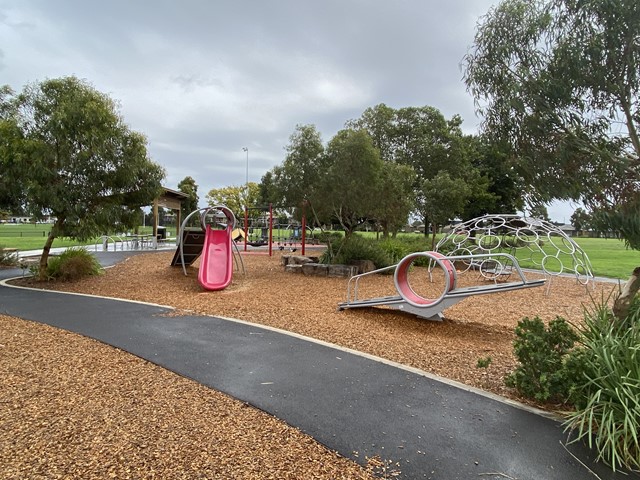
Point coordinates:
[[246, 182]]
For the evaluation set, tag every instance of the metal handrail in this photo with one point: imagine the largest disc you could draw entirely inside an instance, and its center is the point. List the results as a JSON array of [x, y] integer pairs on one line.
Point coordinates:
[[362, 275], [352, 285], [104, 239]]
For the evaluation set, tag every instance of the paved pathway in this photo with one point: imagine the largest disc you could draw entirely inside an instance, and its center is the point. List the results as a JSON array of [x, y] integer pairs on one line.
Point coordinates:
[[346, 401]]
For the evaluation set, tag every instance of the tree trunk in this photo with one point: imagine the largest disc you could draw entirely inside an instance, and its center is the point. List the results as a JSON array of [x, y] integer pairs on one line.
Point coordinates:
[[623, 301], [434, 231], [44, 258]]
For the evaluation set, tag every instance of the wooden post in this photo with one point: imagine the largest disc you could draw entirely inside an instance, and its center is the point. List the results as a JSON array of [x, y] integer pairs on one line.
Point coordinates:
[[270, 229], [304, 231], [178, 222], [246, 227], [155, 224]]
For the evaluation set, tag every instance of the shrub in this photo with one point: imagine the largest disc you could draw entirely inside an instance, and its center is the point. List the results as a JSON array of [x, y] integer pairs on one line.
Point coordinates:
[[73, 264], [328, 237], [395, 249], [541, 352], [483, 362], [8, 259], [348, 249], [607, 393]]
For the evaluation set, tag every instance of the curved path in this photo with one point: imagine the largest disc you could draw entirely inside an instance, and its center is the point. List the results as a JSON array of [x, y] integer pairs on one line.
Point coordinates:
[[349, 402]]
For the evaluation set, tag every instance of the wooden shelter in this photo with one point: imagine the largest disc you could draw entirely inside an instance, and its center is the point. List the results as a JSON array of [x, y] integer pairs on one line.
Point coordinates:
[[171, 199]]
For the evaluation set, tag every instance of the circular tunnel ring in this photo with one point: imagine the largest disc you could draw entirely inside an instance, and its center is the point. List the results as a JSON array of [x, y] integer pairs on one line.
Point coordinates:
[[401, 278]]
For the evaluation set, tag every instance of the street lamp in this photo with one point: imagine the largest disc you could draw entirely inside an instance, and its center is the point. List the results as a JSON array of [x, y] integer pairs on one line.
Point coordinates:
[[245, 149]]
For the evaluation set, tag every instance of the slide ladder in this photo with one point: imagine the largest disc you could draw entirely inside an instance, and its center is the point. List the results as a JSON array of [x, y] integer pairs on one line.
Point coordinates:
[[192, 241], [431, 308]]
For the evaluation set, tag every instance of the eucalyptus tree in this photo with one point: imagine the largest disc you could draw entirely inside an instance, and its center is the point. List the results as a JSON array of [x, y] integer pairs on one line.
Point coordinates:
[[497, 186], [11, 155], [558, 80], [396, 197], [422, 138], [444, 199], [351, 183], [235, 197], [293, 184], [581, 219], [189, 187], [75, 160]]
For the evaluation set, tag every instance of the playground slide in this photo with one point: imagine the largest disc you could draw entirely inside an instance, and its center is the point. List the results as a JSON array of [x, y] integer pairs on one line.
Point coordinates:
[[216, 262]]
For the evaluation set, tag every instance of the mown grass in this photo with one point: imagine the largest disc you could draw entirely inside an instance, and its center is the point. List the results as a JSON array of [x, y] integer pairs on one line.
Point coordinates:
[[26, 237], [609, 257], [33, 236]]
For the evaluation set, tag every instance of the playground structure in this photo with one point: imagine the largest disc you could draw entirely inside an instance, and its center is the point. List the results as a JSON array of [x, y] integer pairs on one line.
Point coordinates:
[[261, 231], [540, 242], [213, 243], [411, 299]]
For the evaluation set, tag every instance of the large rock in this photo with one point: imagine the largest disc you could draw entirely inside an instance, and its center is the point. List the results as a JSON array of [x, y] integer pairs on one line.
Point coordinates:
[[364, 266], [295, 260], [315, 269], [342, 271], [293, 268], [320, 269]]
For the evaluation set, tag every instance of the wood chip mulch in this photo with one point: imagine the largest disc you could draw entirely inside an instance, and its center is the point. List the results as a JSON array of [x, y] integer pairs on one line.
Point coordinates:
[[154, 424], [63, 415]]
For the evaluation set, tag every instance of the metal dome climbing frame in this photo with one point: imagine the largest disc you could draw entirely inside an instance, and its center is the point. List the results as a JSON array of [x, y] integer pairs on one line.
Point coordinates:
[[531, 240]]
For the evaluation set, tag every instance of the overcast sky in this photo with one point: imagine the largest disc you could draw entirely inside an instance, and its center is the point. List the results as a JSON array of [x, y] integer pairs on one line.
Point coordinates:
[[204, 78]]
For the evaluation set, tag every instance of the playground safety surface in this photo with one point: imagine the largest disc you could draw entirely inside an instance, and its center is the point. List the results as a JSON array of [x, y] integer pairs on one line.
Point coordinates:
[[346, 401]]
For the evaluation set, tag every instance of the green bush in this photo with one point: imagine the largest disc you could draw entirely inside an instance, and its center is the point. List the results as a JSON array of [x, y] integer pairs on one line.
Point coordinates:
[[8, 259], [73, 264], [328, 237], [607, 392], [541, 352], [395, 249], [349, 249]]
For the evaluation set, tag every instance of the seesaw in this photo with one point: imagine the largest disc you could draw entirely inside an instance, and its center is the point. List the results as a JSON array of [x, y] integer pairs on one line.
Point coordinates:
[[431, 308]]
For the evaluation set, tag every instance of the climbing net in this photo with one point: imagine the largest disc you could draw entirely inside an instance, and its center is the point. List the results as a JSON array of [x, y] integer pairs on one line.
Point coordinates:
[[532, 241]]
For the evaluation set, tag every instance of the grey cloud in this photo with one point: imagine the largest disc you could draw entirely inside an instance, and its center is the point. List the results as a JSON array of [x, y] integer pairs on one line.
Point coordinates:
[[203, 79]]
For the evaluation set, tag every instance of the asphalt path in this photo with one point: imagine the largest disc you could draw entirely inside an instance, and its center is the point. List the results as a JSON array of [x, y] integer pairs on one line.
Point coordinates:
[[354, 404]]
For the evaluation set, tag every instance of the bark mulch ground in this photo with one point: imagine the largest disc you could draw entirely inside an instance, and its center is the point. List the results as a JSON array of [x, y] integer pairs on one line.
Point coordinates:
[[63, 414]]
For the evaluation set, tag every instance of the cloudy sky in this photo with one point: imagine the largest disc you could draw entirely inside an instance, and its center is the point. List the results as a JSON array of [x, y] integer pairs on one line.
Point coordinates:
[[204, 78]]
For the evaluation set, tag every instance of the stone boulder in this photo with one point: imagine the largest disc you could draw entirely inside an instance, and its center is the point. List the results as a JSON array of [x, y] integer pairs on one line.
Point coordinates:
[[364, 266]]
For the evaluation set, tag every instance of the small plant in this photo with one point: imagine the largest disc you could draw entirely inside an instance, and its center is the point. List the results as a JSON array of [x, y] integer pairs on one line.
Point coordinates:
[[540, 352], [607, 393], [8, 258], [355, 247], [395, 249], [73, 264], [483, 362]]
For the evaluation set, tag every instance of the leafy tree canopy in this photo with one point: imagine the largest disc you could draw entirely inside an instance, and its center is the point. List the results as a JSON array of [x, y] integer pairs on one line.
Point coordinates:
[[235, 198], [73, 157], [396, 198], [444, 198], [558, 81], [188, 186], [495, 185], [350, 186], [422, 138], [581, 219], [296, 180]]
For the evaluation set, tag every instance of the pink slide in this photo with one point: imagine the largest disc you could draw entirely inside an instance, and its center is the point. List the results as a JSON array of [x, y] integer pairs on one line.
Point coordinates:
[[216, 263]]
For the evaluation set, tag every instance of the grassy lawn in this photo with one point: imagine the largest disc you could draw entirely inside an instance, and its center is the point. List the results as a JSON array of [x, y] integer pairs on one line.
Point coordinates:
[[609, 257], [29, 236], [33, 236]]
